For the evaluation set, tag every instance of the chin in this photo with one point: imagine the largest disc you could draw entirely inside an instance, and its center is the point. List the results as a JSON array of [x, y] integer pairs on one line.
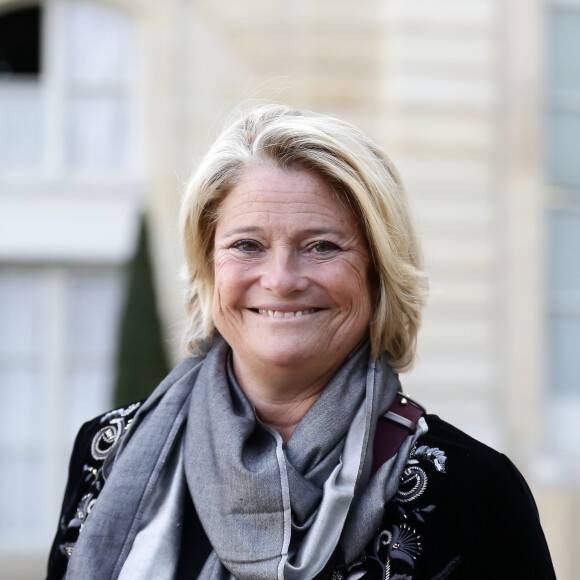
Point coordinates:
[[285, 357]]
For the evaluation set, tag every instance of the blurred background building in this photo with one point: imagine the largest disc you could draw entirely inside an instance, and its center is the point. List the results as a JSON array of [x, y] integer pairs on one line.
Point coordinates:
[[105, 108]]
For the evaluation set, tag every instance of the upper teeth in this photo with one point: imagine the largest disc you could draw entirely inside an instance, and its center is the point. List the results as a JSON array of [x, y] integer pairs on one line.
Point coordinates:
[[283, 314]]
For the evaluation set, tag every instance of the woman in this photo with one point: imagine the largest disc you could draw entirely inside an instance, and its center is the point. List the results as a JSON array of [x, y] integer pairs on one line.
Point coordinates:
[[282, 446]]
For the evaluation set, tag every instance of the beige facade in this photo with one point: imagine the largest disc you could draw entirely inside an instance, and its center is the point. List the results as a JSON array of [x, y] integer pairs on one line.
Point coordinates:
[[454, 91]]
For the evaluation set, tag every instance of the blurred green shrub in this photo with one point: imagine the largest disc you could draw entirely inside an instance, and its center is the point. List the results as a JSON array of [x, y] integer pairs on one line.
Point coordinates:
[[141, 356]]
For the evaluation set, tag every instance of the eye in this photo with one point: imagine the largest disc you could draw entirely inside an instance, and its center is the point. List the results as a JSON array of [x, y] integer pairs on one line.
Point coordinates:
[[324, 247], [247, 246]]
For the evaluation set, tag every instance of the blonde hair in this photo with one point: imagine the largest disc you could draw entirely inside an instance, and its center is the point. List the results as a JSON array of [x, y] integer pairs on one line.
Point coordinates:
[[357, 169]]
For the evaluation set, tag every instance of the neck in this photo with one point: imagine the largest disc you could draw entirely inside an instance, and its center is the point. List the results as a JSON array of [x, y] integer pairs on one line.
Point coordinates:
[[281, 397]]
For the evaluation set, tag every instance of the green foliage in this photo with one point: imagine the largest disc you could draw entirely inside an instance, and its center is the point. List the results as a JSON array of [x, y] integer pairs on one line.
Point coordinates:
[[141, 356]]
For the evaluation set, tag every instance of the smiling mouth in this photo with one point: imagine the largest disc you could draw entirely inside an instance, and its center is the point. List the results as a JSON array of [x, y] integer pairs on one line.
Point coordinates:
[[285, 314]]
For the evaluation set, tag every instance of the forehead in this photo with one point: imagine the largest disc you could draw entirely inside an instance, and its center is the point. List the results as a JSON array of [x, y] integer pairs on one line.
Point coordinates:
[[287, 195]]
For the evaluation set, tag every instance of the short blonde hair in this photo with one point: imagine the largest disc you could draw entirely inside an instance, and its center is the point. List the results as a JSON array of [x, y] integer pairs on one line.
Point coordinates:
[[357, 169]]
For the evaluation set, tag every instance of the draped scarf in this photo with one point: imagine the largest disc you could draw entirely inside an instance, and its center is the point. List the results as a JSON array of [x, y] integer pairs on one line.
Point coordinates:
[[269, 510]]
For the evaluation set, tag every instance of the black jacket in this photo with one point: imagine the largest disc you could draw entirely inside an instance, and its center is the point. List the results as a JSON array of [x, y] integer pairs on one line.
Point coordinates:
[[463, 511]]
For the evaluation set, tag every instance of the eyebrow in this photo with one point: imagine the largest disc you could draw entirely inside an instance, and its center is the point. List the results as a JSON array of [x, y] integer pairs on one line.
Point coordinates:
[[257, 230]]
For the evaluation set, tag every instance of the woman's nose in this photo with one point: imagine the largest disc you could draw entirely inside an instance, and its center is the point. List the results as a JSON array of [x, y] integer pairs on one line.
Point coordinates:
[[283, 273]]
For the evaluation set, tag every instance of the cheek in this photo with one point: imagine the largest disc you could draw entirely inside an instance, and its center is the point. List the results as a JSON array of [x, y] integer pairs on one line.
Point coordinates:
[[229, 284], [352, 287], [224, 270], [221, 284]]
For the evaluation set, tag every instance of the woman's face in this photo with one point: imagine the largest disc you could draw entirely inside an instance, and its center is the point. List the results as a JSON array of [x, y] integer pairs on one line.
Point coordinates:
[[292, 272]]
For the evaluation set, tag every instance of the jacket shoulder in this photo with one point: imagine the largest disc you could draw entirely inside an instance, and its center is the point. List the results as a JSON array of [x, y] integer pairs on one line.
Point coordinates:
[[488, 499], [475, 464], [93, 444]]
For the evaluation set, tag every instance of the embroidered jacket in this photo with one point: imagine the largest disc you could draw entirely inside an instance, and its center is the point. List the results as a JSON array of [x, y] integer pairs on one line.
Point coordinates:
[[463, 511]]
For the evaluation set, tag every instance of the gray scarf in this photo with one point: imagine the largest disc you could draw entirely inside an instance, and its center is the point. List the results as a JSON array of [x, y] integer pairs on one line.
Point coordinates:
[[268, 512]]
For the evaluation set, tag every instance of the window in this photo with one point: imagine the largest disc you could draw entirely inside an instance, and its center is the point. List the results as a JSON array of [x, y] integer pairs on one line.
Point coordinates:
[[66, 72], [57, 346], [563, 171]]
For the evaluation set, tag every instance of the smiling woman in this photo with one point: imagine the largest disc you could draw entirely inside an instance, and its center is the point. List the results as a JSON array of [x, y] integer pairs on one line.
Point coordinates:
[[282, 445]]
